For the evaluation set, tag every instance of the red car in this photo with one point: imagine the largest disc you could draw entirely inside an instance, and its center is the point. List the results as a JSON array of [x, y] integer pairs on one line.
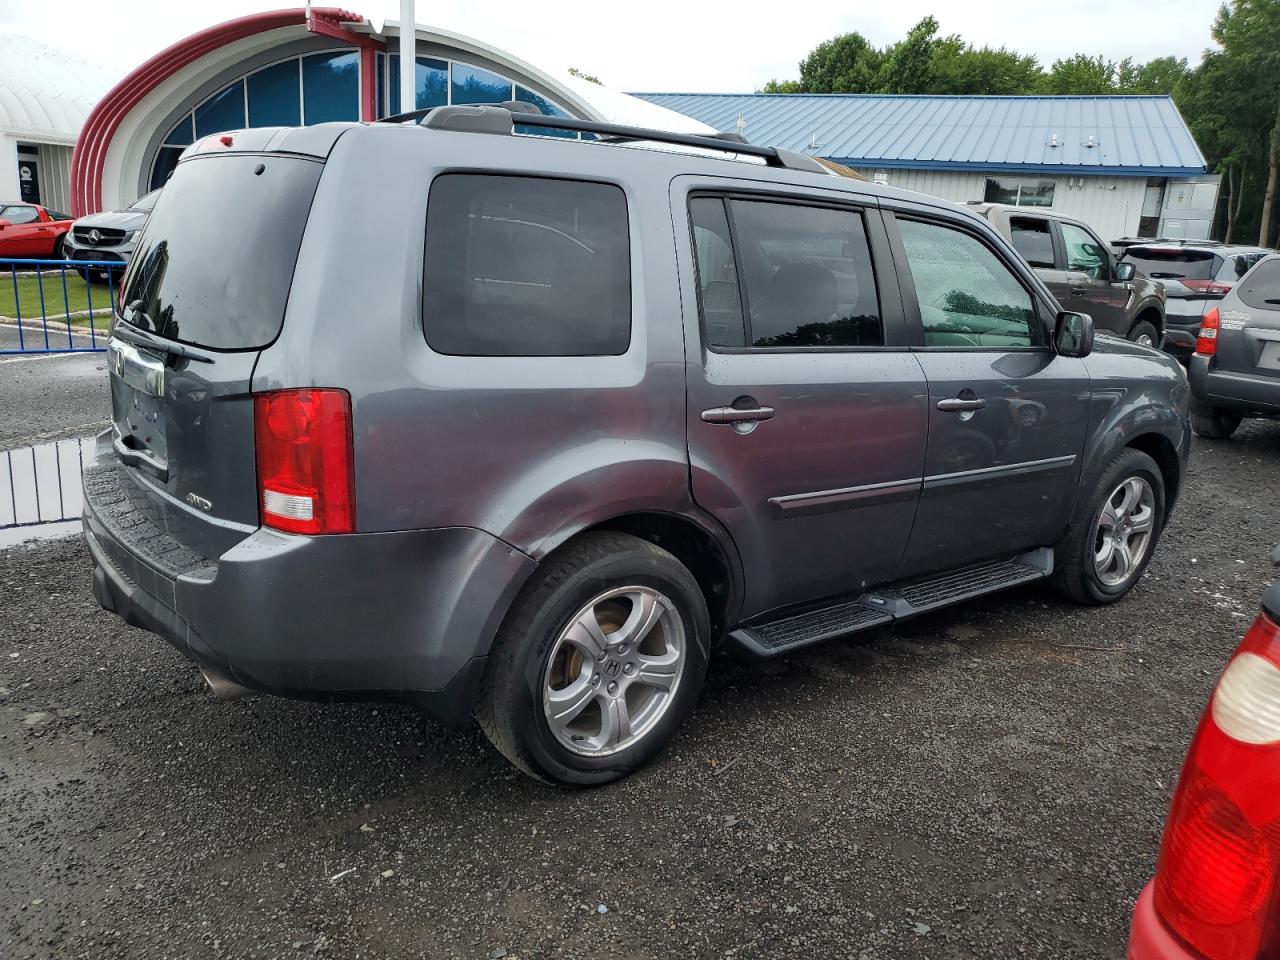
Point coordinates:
[[30, 230], [1216, 892]]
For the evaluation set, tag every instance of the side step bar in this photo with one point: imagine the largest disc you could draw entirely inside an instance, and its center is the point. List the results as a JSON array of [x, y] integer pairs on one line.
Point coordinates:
[[894, 601]]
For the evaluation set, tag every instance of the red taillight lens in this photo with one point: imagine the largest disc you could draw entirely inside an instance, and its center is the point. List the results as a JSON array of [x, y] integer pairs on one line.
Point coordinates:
[[1207, 341], [1216, 882], [1208, 287], [305, 475]]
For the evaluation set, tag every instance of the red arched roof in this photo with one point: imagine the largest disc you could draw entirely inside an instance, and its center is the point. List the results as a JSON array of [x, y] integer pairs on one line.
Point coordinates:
[[91, 147]]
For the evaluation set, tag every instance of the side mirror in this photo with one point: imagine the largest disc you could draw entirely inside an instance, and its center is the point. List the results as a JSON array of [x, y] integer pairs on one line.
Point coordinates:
[[5, 223], [1073, 334], [1124, 271]]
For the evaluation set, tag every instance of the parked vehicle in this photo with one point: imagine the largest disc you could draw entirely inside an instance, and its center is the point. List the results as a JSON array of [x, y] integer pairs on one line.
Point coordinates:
[[110, 235], [1235, 372], [28, 230], [1081, 271], [1216, 892], [1196, 276], [612, 407]]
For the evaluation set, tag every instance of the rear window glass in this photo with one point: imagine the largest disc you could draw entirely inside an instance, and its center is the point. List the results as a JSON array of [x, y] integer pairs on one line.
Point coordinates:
[[1172, 264], [217, 256], [526, 266], [1032, 239], [1261, 288]]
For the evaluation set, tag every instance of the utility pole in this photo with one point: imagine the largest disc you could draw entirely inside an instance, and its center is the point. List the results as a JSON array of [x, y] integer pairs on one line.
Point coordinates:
[[408, 57]]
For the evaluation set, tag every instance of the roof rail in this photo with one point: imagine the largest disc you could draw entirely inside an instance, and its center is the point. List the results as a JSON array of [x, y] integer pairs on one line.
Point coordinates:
[[503, 120]]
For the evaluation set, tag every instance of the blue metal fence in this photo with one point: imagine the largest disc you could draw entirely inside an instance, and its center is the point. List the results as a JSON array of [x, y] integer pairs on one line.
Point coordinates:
[[37, 314]]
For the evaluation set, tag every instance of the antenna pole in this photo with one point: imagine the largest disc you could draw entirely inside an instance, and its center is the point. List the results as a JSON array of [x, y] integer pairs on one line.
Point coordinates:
[[408, 57]]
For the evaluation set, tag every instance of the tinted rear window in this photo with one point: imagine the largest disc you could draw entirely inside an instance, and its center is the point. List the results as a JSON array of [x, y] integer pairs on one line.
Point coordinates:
[[1172, 264], [217, 256], [1032, 239], [1261, 288], [526, 266]]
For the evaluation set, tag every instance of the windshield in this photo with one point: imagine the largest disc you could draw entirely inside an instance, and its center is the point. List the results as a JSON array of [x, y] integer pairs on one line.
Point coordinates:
[[1171, 264], [216, 259], [145, 203]]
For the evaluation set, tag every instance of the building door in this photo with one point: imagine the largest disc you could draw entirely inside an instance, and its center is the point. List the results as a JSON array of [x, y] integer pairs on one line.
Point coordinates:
[[28, 180]]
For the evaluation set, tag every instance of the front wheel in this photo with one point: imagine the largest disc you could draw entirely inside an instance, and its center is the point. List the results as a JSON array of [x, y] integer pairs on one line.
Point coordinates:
[[1214, 423], [598, 662], [1114, 531], [1145, 333]]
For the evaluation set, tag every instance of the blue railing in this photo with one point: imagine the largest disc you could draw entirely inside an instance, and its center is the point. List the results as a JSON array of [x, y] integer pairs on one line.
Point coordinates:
[[43, 310]]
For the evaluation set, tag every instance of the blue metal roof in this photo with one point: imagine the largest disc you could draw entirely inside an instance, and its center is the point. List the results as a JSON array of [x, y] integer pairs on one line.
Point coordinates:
[[1132, 136]]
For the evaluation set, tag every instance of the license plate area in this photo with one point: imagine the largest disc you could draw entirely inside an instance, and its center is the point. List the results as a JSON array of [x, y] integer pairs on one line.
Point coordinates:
[[138, 400], [1269, 358]]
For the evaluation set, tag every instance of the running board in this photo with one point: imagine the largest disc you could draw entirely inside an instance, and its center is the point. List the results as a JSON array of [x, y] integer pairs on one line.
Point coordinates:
[[894, 601]]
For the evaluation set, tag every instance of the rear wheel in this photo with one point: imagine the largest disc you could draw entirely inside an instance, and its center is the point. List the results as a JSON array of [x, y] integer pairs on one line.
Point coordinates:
[[598, 662], [57, 250], [1114, 532], [1145, 333], [1214, 423]]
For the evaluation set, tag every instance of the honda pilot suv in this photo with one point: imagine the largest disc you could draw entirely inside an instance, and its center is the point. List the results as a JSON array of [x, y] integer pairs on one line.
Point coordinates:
[[524, 427]]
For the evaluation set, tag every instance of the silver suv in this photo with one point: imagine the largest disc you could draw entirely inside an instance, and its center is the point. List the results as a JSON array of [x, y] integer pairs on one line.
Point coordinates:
[[526, 426]]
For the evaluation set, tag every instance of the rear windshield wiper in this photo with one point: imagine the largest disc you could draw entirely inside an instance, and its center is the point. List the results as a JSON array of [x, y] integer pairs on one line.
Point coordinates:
[[141, 338]]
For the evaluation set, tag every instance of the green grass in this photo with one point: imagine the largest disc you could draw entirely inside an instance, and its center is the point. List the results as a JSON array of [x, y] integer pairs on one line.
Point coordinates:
[[57, 304]]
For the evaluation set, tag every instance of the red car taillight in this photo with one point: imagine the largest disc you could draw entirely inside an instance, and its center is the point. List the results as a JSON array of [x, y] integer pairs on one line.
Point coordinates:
[[1208, 287], [1207, 341], [305, 471], [1216, 882]]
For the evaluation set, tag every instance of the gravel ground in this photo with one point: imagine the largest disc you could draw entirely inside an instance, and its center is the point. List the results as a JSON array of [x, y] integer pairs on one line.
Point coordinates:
[[986, 782]]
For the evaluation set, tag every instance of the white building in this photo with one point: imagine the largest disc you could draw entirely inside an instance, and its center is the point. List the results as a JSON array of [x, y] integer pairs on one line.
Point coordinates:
[[45, 96], [1127, 166]]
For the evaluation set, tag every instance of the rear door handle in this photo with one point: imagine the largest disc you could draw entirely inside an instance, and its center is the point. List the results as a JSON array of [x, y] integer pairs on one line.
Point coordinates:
[[958, 405], [735, 415]]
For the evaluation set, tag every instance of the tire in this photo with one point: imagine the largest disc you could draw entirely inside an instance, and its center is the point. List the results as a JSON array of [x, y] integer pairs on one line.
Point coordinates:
[[1144, 331], [1214, 423], [609, 579], [56, 254], [1082, 573]]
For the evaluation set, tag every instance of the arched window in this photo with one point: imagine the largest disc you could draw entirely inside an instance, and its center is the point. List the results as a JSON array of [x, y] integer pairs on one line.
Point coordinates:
[[318, 87]]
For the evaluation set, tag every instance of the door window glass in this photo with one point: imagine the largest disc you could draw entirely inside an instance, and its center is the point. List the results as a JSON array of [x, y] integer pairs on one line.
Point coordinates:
[[16, 215], [968, 297], [1032, 239], [525, 266], [718, 293], [1084, 252], [808, 276]]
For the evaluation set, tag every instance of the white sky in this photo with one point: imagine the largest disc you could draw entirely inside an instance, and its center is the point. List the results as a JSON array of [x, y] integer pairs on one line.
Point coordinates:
[[658, 45]]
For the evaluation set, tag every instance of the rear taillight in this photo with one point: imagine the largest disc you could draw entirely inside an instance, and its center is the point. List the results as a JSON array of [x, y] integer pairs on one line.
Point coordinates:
[[1216, 882], [305, 481], [1207, 341], [1210, 287]]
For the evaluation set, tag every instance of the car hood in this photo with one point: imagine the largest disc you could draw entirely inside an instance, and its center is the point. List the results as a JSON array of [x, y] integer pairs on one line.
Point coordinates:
[[117, 219]]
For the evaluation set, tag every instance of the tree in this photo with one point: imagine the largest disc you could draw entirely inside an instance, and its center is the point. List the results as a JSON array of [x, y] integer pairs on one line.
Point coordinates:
[[1249, 34], [1081, 75], [844, 64], [960, 69], [907, 66], [1160, 76], [781, 86]]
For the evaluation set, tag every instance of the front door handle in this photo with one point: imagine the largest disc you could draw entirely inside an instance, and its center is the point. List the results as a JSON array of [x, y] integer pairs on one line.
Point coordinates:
[[960, 405], [736, 415]]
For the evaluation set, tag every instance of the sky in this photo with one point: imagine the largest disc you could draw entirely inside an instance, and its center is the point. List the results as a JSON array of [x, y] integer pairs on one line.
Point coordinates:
[[659, 45]]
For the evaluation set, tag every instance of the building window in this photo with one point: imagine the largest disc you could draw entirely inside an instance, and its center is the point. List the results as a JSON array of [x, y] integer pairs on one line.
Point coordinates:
[[273, 96], [1019, 191]]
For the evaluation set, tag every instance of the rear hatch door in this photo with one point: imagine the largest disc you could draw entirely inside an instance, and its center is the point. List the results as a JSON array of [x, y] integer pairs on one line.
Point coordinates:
[[1188, 276], [1249, 331], [206, 292]]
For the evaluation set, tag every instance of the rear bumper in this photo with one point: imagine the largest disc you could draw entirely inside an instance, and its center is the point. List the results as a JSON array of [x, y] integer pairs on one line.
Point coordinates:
[[1180, 342], [1148, 938], [405, 616], [1233, 391]]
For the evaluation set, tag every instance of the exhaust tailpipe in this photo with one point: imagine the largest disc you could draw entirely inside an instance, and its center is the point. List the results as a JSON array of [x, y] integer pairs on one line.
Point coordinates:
[[222, 686]]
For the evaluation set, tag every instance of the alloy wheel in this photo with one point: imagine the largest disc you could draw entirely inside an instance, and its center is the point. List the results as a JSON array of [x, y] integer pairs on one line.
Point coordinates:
[[1123, 532], [613, 672]]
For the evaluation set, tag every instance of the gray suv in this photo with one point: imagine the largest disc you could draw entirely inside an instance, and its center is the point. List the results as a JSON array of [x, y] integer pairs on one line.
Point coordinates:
[[524, 427], [1082, 272]]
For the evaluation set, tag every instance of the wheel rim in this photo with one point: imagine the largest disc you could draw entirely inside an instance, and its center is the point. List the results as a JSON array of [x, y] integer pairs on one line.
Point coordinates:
[[1146, 340], [1123, 533], [613, 672]]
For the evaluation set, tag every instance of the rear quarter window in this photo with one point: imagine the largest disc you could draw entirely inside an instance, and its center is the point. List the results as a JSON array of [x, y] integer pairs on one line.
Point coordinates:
[[526, 266], [1260, 289]]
